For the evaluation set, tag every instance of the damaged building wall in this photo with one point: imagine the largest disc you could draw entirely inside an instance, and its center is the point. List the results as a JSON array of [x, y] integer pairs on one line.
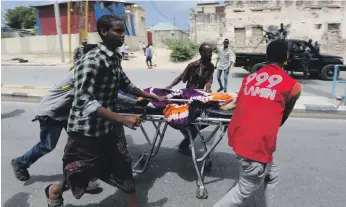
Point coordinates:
[[323, 21], [205, 27]]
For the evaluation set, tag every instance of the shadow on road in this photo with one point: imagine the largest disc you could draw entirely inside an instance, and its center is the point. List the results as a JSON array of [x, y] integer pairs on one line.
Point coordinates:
[[44, 178], [239, 75], [13, 113], [168, 160], [18, 200]]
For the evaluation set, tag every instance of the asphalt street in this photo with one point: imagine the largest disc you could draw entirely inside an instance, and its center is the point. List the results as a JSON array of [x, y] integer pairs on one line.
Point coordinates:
[[311, 154], [46, 76]]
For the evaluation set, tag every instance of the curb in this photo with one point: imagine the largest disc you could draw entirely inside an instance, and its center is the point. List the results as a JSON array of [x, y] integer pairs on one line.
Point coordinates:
[[20, 95], [31, 64], [24, 87], [309, 109]]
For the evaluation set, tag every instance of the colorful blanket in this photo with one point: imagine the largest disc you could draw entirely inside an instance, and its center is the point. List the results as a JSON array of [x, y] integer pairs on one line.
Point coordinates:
[[181, 114]]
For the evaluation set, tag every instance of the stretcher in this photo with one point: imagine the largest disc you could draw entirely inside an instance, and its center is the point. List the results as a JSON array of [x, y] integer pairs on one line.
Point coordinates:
[[210, 117]]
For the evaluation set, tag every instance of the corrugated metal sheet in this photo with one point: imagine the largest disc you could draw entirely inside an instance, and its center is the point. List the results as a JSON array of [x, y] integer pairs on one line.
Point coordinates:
[[42, 4], [48, 25]]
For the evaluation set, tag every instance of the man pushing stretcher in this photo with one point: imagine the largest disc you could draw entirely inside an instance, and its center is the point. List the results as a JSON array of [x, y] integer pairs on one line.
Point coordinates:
[[198, 75], [252, 131]]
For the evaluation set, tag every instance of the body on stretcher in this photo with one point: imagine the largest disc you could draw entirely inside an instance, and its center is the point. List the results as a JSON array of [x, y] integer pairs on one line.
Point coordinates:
[[211, 117]]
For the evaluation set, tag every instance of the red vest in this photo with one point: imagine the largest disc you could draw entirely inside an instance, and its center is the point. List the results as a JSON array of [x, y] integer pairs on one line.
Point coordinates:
[[257, 118]]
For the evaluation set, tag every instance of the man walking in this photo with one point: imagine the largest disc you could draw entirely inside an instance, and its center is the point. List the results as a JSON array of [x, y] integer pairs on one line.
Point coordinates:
[[197, 75], [253, 131], [96, 147], [52, 115], [226, 59], [149, 56]]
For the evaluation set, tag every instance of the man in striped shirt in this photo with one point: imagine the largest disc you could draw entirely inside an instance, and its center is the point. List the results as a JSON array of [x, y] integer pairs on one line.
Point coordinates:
[[96, 147]]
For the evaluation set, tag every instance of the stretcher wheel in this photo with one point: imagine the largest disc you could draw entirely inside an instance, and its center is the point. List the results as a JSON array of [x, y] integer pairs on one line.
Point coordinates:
[[208, 164], [201, 193]]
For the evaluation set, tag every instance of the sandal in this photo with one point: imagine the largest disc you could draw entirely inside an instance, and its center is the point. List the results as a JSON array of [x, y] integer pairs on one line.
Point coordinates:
[[22, 174], [53, 203]]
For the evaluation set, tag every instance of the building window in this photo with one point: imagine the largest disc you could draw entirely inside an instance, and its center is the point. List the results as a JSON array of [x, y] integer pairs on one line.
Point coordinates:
[[172, 34], [334, 27], [299, 2], [318, 26], [220, 9], [238, 11]]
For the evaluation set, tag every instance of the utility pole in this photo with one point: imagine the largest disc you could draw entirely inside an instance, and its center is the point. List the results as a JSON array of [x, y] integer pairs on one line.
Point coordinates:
[[58, 29], [86, 26], [69, 30], [174, 27]]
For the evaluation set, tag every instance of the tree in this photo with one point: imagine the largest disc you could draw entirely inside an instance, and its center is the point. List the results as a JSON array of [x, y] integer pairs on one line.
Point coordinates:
[[21, 17]]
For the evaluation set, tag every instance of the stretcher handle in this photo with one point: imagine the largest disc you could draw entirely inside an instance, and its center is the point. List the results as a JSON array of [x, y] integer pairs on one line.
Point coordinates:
[[143, 113]]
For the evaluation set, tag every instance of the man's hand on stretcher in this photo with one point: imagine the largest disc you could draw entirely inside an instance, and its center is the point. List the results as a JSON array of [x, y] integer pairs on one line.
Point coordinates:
[[132, 121], [138, 92], [206, 90], [161, 98]]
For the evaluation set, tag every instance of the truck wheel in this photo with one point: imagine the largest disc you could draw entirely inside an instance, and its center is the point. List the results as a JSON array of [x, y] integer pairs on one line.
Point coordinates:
[[256, 67], [327, 72]]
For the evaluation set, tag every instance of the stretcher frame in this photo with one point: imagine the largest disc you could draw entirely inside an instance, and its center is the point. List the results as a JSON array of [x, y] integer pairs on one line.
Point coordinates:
[[221, 126]]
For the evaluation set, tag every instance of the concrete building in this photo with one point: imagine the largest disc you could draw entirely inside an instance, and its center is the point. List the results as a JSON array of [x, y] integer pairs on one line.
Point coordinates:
[[241, 22], [166, 31], [47, 41]]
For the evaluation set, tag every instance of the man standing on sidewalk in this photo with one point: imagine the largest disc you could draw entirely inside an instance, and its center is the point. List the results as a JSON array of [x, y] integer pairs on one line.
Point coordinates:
[[226, 59], [253, 131]]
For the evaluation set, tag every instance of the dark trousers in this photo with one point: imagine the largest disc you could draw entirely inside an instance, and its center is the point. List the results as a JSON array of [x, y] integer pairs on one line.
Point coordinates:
[[148, 60], [186, 142], [50, 131], [305, 69]]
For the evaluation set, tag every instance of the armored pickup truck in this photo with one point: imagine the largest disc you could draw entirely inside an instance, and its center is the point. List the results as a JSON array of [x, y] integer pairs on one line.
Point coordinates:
[[320, 66]]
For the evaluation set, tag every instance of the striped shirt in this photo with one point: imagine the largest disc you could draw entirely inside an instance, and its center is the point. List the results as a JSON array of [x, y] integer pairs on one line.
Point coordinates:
[[98, 78]]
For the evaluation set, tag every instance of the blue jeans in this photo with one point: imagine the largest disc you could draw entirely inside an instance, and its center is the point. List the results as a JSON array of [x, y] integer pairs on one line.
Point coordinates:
[[251, 177], [225, 76], [50, 131]]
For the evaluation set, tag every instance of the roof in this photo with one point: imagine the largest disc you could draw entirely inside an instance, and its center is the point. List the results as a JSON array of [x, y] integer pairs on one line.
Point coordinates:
[[43, 4], [207, 3], [165, 26]]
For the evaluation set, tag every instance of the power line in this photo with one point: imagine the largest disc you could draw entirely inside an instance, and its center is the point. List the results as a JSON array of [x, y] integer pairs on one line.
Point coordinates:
[[163, 15], [158, 10]]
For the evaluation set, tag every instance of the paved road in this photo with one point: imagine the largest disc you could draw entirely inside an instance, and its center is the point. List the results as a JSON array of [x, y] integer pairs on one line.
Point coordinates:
[[48, 75], [311, 154]]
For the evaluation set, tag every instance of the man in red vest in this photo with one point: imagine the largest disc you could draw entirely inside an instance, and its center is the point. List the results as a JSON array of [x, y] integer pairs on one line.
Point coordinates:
[[265, 100]]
